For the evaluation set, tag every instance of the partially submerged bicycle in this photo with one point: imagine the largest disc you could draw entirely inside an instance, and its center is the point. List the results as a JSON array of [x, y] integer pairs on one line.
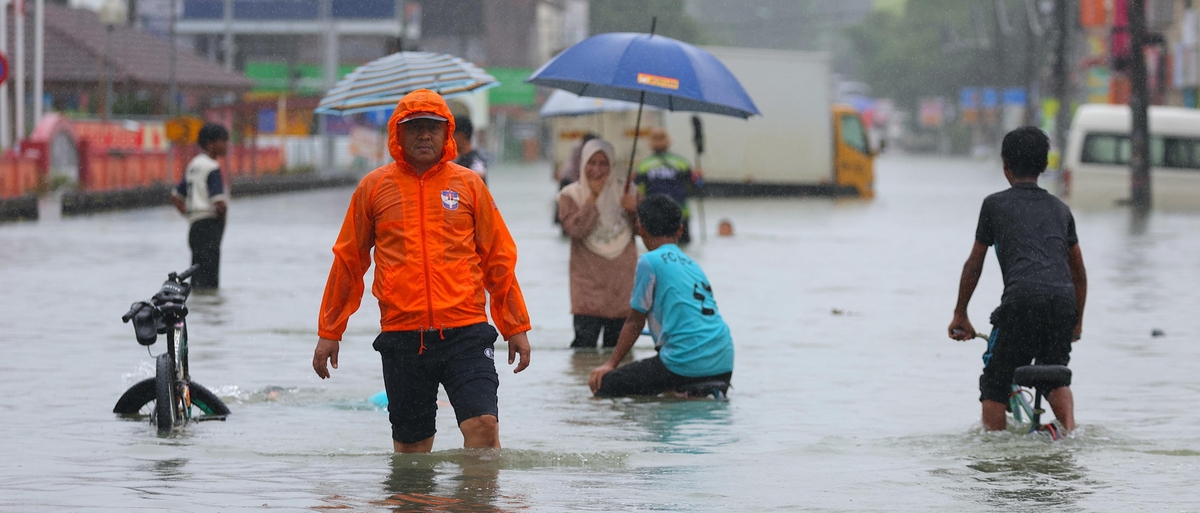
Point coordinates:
[[1030, 381], [169, 396]]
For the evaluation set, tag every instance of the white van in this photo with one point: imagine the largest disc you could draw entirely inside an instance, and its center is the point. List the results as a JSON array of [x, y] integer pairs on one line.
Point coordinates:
[[1096, 171]]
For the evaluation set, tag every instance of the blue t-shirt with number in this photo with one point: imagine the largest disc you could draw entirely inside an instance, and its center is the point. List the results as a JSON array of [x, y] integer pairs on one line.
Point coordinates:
[[691, 338]]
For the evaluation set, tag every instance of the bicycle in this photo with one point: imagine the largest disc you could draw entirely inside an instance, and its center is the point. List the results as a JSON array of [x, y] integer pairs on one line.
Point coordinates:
[[169, 396], [1031, 380]]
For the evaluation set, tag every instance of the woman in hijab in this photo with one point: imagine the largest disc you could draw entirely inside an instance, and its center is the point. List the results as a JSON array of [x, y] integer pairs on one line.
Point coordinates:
[[598, 216]]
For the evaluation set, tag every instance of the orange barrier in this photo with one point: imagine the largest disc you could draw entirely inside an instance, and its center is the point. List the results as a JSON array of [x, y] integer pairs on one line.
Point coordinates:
[[252, 161], [116, 170], [18, 176]]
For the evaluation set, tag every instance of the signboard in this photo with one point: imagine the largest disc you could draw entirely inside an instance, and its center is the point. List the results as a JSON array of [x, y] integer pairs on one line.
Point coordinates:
[[968, 103], [184, 130], [304, 79], [1093, 13], [989, 98], [1014, 96], [932, 112], [513, 90]]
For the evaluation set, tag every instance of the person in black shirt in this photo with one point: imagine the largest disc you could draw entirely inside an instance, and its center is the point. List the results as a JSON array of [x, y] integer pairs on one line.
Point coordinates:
[[468, 156], [1045, 284]]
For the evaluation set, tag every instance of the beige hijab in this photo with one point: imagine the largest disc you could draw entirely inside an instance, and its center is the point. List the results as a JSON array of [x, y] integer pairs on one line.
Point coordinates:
[[613, 231]]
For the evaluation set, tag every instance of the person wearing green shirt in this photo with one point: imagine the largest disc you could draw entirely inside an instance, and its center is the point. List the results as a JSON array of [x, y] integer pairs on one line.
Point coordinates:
[[668, 174]]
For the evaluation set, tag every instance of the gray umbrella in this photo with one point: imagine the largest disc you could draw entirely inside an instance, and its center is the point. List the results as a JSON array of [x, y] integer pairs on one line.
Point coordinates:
[[382, 82]]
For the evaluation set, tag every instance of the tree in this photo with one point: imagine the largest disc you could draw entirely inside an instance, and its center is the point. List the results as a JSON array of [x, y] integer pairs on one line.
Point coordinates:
[[635, 16], [932, 49]]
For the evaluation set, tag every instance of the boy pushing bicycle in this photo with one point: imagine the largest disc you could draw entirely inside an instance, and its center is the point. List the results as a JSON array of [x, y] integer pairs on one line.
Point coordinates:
[[1045, 283]]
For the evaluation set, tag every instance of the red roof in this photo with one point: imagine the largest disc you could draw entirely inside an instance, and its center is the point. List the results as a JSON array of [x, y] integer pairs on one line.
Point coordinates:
[[75, 45]]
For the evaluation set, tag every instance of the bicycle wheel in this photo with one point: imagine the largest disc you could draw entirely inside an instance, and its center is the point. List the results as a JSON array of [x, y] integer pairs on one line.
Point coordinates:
[[164, 396], [207, 401], [140, 399], [135, 400]]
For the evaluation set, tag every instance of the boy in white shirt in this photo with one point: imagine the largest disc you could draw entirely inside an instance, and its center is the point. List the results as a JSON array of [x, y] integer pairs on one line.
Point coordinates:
[[202, 198]]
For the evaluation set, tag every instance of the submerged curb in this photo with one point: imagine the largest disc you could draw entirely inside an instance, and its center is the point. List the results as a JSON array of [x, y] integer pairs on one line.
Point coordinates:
[[21, 208], [82, 203]]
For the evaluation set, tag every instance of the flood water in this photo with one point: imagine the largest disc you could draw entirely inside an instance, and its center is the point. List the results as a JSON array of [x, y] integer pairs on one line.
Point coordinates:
[[848, 396]]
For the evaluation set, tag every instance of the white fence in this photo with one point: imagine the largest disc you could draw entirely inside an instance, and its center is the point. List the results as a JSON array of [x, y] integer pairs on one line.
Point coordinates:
[[300, 152]]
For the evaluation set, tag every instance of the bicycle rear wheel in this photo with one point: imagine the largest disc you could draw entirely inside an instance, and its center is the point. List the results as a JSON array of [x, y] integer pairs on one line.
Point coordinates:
[[165, 409]]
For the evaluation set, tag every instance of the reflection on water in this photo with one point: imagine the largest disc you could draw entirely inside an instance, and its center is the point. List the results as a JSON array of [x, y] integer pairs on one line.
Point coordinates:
[[691, 426], [1044, 478], [1139, 221], [460, 481], [1020, 471]]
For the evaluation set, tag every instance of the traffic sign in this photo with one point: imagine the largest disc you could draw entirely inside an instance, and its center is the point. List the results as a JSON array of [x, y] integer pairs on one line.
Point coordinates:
[[3, 68], [184, 129]]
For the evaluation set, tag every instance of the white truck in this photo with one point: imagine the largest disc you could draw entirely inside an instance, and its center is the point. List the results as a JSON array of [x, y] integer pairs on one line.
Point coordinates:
[[802, 144]]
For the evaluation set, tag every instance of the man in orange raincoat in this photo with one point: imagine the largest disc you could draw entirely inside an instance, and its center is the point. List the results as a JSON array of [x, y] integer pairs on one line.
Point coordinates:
[[439, 243]]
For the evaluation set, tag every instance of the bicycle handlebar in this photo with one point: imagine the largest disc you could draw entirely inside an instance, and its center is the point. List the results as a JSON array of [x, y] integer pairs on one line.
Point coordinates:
[[133, 310], [175, 277], [187, 273], [984, 336]]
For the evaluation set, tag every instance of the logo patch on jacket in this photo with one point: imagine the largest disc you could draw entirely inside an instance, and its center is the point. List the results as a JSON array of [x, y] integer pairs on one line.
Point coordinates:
[[450, 200]]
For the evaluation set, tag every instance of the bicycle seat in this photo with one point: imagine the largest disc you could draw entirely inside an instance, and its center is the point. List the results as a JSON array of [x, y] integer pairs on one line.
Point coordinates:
[[1042, 376], [715, 388]]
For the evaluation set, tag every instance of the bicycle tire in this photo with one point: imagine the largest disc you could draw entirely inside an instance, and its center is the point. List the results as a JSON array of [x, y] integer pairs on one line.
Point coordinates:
[[139, 395], [164, 394], [207, 401]]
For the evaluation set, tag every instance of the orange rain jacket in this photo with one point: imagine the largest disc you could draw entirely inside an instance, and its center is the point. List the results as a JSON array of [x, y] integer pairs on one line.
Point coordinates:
[[439, 242]]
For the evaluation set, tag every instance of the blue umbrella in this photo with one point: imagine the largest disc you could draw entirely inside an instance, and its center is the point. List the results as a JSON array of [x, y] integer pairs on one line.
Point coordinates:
[[650, 70]]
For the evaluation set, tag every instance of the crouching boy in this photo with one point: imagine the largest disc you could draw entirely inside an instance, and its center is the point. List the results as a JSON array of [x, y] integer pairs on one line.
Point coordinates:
[[671, 291]]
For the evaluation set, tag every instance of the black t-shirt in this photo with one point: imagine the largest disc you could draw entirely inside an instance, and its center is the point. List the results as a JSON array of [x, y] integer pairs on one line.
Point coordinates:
[[1033, 233]]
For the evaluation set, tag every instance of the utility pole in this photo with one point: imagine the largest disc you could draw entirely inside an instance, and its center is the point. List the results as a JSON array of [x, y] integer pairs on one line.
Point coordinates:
[[5, 118], [1062, 49], [172, 73], [39, 59], [1139, 100], [228, 47], [172, 84], [19, 67], [331, 75], [1033, 44]]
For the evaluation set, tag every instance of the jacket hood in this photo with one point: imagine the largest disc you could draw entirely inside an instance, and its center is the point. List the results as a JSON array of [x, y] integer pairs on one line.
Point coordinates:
[[421, 100]]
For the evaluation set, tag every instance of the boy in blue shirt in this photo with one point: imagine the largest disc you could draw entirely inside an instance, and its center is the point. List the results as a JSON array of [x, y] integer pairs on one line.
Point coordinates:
[[673, 294]]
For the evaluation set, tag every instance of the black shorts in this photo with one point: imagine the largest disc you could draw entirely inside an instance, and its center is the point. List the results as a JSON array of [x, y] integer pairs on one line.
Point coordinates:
[[1038, 329], [648, 377], [462, 362]]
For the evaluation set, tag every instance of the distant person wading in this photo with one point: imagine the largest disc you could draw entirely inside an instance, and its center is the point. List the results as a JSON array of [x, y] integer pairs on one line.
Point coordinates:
[[599, 217], [668, 174], [468, 156], [201, 197]]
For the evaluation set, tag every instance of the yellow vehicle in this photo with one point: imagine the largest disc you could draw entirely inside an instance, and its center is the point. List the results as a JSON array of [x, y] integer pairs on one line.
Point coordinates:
[[853, 160]]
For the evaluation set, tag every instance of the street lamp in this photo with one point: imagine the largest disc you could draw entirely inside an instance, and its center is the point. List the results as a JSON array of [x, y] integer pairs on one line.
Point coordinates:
[[112, 13]]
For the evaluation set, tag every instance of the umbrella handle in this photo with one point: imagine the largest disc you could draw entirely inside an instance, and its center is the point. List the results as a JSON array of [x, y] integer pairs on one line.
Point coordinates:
[[700, 205], [637, 130]]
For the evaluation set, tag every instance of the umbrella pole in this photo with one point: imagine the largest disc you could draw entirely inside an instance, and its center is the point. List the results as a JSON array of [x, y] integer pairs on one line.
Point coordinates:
[[637, 130], [700, 204]]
